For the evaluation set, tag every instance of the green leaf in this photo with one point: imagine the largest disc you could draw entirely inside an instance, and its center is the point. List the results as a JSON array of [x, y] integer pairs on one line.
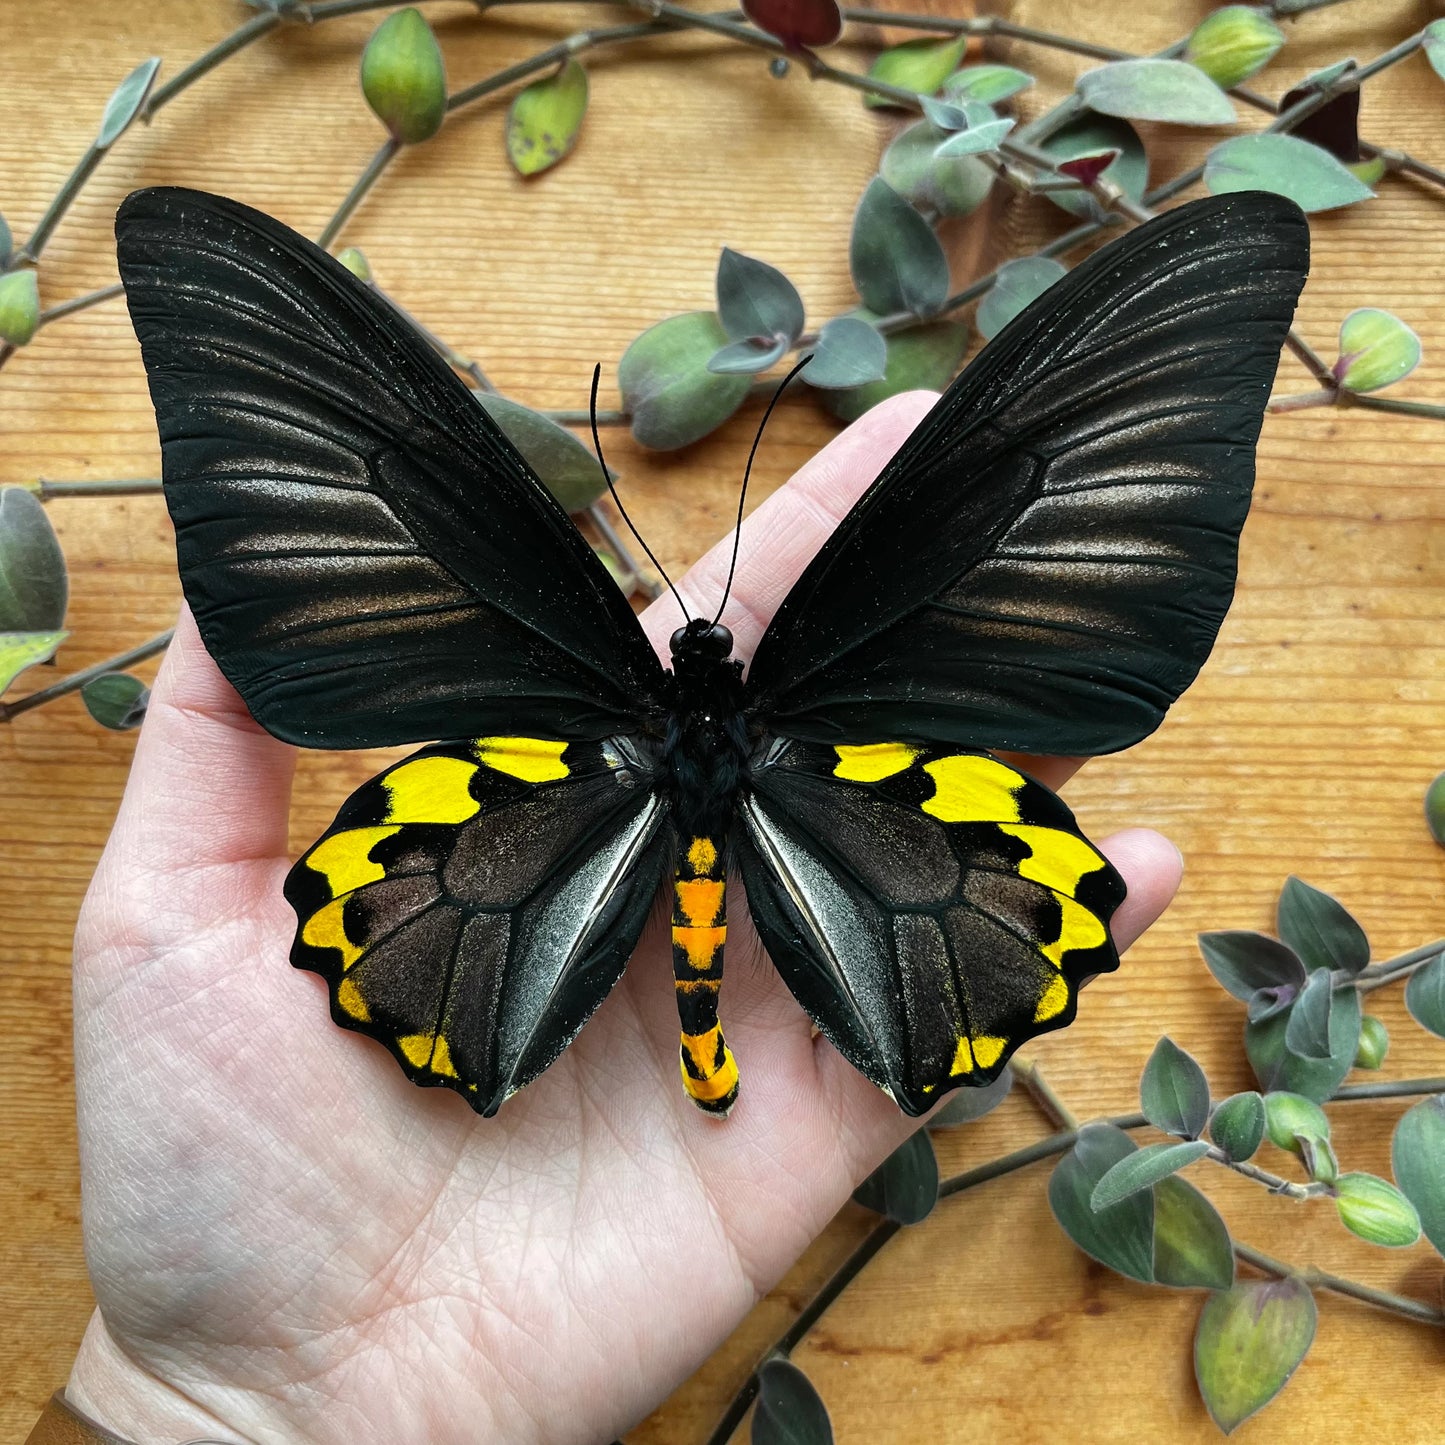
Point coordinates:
[[7, 244], [747, 358], [1319, 928], [19, 650], [354, 259], [1312, 178], [1277, 1068], [1435, 809], [1173, 1091], [1237, 1125], [1377, 349], [1092, 135], [566, 467], [1244, 962], [1374, 1043], [904, 1187], [1233, 43], [1143, 1169], [1192, 1249], [116, 700], [1376, 1211], [918, 65], [666, 386], [849, 353], [966, 1105], [920, 357], [1166, 90], [1290, 1118], [755, 299], [19, 306], [1307, 1028], [1425, 996], [33, 584], [976, 140], [988, 83], [404, 78], [1434, 46], [1121, 1236], [1019, 283], [1417, 1157], [896, 260], [546, 118], [789, 1410], [126, 101], [947, 187], [1249, 1341]]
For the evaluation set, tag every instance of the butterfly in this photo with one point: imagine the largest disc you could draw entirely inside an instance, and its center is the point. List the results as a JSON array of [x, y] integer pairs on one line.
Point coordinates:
[[1041, 569]]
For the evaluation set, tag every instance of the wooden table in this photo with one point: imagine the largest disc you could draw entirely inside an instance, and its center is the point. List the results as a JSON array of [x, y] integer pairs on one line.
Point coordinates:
[[1305, 747]]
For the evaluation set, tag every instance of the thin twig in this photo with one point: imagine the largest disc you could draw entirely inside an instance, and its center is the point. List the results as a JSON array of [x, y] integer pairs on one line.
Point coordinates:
[[1377, 975], [1319, 1279], [78, 680], [1050, 1105]]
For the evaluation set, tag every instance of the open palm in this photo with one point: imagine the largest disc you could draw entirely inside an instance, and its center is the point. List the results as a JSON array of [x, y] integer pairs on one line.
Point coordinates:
[[289, 1242]]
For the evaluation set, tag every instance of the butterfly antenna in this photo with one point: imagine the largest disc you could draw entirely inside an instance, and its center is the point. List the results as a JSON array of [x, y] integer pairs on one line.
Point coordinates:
[[607, 477], [747, 472]]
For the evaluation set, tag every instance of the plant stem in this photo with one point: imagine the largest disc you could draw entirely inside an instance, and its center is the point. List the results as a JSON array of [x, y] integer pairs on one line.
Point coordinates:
[[1318, 1279], [1273, 1182], [387, 152], [1434, 410], [1377, 975], [48, 491], [1301, 401], [64, 198], [1388, 1089], [77, 680], [1050, 1105], [81, 303], [203, 64]]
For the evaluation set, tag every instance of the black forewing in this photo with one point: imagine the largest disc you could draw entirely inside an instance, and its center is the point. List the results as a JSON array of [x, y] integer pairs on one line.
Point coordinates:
[[368, 558], [1045, 563], [471, 906]]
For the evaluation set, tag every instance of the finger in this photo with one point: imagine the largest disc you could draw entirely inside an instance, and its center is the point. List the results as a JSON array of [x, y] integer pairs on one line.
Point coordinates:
[[208, 784], [781, 537]]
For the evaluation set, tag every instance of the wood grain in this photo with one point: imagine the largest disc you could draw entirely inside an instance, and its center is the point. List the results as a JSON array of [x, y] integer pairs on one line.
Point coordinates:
[[1305, 746]]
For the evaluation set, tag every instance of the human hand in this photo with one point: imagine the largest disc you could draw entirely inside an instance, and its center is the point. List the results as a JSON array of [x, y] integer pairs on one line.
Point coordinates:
[[289, 1242]]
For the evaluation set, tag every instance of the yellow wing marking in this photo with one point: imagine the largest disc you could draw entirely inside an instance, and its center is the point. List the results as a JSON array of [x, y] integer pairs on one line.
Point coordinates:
[[348, 995], [428, 1050], [872, 762], [1078, 928], [1054, 1001], [982, 1053], [326, 929], [431, 790], [342, 859], [972, 789], [1057, 860], [534, 760], [702, 855]]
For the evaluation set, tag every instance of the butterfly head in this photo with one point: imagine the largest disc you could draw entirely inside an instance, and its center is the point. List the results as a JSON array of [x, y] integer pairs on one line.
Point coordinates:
[[701, 641]]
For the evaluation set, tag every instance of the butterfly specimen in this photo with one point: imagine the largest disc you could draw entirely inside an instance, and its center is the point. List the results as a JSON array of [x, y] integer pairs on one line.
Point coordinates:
[[1042, 568]]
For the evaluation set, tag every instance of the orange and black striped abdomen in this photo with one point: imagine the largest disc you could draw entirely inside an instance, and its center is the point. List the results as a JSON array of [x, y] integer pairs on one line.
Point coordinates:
[[699, 931]]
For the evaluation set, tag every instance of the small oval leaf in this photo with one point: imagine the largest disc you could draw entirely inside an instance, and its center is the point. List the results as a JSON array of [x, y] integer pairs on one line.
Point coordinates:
[[19, 307], [1312, 178], [976, 140], [1249, 1341], [1092, 135], [1290, 1118], [34, 587], [1376, 1211], [7, 243], [1237, 1125], [1122, 1236], [917, 65], [546, 118], [799, 24], [1307, 1029], [1173, 1092], [947, 187], [566, 467], [1232, 43], [1417, 1157], [1276, 1067], [920, 357], [904, 1187], [116, 700], [789, 1410], [1192, 1248], [966, 1105], [126, 101], [1018, 284], [1435, 809], [1377, 349], [747, 358], [1320, 929], [896, 260], [19, 650], [1374, 1043], [1244, 962], [1152, 89], [755, 299], [988, 83], [1143, 1169], [1434, 46], [674, 400], [849, 353], [1425, 996]]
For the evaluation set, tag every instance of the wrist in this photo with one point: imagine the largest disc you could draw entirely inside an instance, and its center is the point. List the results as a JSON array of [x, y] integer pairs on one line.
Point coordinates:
[[123, 1397]]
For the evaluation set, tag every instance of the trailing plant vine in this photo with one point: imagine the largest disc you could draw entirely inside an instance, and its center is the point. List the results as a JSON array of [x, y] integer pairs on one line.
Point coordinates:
[[1305, 1029]]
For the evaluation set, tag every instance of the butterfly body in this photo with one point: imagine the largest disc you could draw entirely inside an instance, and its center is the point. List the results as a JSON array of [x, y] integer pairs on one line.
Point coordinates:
[[1041, 569]]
